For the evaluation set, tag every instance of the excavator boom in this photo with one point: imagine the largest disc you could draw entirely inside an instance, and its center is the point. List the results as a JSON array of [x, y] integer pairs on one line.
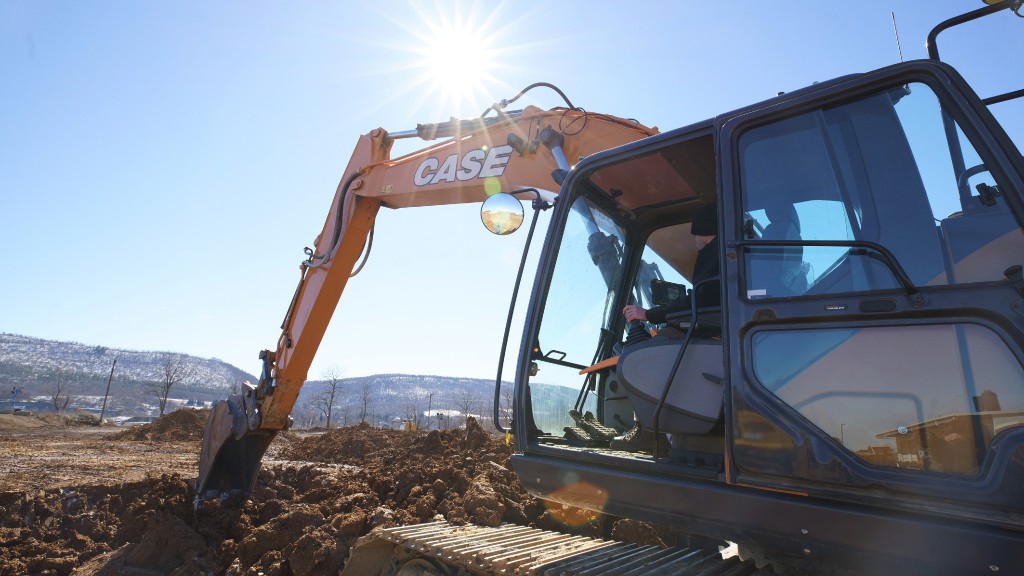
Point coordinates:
[[477, 158]]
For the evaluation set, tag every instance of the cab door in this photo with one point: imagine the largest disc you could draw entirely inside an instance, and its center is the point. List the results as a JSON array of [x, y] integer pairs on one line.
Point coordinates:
[[873, 248]]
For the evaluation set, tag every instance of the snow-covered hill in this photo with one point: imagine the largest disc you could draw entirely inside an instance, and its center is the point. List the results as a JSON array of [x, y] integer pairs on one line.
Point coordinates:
[[34, 366], [27, 359]]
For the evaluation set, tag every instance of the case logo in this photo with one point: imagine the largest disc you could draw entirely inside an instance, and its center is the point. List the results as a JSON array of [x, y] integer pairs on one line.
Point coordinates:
[[478, 163]]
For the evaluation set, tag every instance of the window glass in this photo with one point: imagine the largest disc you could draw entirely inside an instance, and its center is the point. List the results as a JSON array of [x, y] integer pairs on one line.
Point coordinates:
[[928, 397], [657, 281], [879, 171], [577, 312]]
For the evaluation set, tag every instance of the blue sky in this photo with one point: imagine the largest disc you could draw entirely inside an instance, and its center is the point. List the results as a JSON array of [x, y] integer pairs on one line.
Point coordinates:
[[163, 164]]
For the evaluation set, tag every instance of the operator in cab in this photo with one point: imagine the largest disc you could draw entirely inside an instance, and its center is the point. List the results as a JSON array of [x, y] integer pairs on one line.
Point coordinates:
[[704, 229]]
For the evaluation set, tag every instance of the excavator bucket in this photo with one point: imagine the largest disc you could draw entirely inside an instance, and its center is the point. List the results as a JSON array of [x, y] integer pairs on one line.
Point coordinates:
[[229, 458]]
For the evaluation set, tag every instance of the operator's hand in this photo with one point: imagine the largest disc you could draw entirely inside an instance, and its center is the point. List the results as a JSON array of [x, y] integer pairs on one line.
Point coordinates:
[[633, 313]]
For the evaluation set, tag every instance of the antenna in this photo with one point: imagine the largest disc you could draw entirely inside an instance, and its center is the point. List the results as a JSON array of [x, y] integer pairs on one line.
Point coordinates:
[[897, 32]]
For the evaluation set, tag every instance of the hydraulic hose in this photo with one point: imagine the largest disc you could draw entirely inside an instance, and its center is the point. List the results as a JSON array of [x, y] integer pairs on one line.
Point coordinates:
[[498, 107], [317, 260]]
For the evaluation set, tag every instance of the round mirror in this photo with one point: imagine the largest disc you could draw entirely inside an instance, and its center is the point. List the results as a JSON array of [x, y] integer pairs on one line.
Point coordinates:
[[502, 213]]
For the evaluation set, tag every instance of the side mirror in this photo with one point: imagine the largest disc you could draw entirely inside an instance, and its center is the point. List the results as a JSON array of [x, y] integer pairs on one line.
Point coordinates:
[[502, 213]]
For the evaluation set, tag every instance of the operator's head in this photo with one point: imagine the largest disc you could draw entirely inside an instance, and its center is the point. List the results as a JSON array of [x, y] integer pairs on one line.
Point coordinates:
[[704, 227]]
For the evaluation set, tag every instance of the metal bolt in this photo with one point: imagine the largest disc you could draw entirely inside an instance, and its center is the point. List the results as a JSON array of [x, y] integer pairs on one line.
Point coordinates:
[[803, 531], [807, 551], [994, 568]]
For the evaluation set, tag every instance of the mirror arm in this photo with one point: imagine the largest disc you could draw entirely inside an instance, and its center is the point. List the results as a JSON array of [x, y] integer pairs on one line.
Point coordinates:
[[538, 205]]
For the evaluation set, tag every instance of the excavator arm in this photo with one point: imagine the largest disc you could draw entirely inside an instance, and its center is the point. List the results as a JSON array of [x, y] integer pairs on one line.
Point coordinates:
[[476, 158]]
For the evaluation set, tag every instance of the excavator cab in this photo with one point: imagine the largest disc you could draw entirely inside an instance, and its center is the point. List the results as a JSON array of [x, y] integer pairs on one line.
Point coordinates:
[[859, 392]]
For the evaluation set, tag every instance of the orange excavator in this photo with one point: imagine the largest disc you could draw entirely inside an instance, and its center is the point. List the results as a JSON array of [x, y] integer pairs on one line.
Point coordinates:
[[508, 151], [851, 403]]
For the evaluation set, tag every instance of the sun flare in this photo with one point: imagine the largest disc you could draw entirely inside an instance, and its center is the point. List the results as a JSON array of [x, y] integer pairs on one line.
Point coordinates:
[[458, 57], [452, 58]]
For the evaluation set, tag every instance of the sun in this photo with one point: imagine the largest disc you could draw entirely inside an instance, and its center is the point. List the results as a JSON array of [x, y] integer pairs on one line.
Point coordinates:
[[458, 56], [446, 59]]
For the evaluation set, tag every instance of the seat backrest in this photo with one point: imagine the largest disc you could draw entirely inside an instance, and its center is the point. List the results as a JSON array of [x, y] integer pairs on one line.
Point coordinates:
[[784, 223], [694, 400], [785, 270]]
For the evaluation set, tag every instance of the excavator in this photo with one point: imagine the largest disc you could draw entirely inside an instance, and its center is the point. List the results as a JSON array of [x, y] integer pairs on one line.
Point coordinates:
[[852, 403]]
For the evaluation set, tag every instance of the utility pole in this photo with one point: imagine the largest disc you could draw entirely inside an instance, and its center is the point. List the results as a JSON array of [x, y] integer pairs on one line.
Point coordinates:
[[110, 379], [430, 405]]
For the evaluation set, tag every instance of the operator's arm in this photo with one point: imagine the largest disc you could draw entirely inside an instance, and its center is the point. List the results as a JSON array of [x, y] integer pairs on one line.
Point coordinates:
[[705, 268], [658, 314]]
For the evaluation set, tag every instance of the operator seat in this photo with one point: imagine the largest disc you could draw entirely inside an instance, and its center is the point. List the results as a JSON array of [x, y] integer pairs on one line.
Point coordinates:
[[694, 399], [782, 270]]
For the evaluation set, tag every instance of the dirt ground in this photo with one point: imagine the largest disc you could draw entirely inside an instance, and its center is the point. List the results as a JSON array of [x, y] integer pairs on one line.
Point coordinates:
[[79, 499]]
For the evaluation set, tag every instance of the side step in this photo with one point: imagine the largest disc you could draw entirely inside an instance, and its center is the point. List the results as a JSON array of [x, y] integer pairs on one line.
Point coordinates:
[[513, 549]]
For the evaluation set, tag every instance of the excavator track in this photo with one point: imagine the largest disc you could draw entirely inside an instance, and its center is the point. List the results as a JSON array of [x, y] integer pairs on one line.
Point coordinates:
[[444, 549]]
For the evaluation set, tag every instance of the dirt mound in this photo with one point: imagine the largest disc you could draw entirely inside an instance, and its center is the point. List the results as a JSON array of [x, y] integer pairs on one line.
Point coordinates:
[[177, 426], [300, 519], [29, 421], [21, 422], [460, 474]]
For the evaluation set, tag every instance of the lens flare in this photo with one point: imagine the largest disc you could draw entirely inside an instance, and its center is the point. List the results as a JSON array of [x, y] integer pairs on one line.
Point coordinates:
[[587, 503], [492, 186]]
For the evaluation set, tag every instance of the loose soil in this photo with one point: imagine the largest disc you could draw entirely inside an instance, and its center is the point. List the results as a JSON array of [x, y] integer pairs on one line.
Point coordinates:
[[85, 500]]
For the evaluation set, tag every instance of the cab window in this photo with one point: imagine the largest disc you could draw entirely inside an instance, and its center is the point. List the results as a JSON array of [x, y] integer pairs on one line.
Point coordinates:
[[935, 405], [875, 172]]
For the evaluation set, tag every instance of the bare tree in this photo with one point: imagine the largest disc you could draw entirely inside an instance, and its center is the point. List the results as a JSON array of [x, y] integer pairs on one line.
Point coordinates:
[[305, 411], [465, 400], [365, 400], [61, 395], [507, 402], [173, 369], [485, 409], [411, 413], [325, 400]]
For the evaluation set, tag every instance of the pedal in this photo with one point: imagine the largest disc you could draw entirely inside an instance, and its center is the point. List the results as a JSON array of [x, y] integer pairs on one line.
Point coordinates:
[[580, 438]]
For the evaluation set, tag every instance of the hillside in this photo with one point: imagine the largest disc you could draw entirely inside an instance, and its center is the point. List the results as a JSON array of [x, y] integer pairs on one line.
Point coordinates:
[[37, 369], [34, 366], [24, 357]]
